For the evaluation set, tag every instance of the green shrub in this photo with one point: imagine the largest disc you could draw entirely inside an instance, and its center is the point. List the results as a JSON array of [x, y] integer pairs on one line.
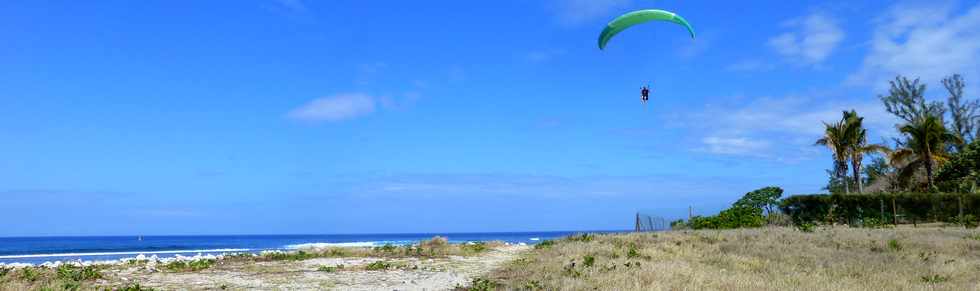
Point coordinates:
[[533, 285], [189, 266], [135, 286], [29, 274], [378, 266], [588, 261], [968, 221], [806, 227], [913, 207], [71, 285], [932, 279], [678, 224], [288, 256], [387, 248], [632, 252], [75, 273], [4, 271], [894, 245], [330, 269], [585, 237], [873, 222], [544, 244], [477, 247], [960, 169], [483, 284], [735, 217]]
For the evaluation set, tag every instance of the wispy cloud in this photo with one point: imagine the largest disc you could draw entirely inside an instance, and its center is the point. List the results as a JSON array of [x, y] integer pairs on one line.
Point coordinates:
[[751, 65], [811, 40], [292, 5], [520, 185], [932, 43], [296, 10], [744, 126], [543, 56], [734, 146], [579, 11], [335, 108]]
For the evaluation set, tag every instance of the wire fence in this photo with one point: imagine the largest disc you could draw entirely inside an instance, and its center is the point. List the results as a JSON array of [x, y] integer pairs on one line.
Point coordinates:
[[646, 222]]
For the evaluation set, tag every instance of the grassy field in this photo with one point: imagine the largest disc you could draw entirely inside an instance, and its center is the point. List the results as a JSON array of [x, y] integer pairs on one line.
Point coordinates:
[[751, 259]]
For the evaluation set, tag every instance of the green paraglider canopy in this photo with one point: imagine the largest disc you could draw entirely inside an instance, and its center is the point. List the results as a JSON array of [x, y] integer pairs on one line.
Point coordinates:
[[637, 17]]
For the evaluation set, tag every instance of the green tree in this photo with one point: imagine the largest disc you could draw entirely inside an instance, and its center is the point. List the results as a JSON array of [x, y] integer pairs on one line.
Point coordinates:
[[963, 112], [857, 145], [878, 169], [927, 139], [765, 198], [961, 170], [836, 140], [906, 99]]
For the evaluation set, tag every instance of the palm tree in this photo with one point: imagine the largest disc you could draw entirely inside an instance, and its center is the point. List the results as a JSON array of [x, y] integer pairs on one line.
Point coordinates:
[[836, 139], [858, 145], [925, 147]]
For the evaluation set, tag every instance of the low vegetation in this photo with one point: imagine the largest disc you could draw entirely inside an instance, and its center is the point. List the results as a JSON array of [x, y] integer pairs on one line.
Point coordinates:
[[390, 257], [780, 258], [189, 266], [64, 277], [432, 248]]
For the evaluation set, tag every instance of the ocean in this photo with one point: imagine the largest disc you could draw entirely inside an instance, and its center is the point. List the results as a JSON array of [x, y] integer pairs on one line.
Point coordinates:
[[37, 250]]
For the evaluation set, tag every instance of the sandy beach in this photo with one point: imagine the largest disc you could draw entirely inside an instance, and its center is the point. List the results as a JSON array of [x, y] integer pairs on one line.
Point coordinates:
[[445, 268]]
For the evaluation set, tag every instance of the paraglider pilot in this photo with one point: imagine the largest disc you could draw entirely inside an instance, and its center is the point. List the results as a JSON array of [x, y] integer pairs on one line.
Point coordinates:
[[645, 94]]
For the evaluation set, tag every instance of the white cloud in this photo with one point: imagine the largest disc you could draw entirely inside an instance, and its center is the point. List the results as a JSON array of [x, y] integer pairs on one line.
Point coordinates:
[[578, 11], [931, 42], [335, 108], [292, 5], [734, 145], [750, 65], [789, 124], [543, 56], [812, 40]]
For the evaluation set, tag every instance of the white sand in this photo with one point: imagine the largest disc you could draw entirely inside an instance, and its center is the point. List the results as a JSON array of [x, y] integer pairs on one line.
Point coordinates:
[[411, 274]]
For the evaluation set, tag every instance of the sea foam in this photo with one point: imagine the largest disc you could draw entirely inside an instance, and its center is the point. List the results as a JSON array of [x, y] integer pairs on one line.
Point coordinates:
[[319, 245]]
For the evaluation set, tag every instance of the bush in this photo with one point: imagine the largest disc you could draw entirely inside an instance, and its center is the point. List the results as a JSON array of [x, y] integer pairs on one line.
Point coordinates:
[[678, 224], [132, 287], [378, 266], [588, 261], [189, 266], [474, 247], [959, 173], [29, 274], [544, 244], [75, 273], [806, 227], [287, 256], [934, 279], [435, 242], [735, 217], [854, 209], [482, 284], [330, 269], [585, 237]]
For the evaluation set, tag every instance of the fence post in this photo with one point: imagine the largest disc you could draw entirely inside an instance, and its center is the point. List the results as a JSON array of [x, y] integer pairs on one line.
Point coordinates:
[[881, 209], [894, 213], [637, 222], [960, 198]]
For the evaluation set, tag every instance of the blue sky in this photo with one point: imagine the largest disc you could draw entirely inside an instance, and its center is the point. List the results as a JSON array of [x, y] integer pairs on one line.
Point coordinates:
[[290, 116]]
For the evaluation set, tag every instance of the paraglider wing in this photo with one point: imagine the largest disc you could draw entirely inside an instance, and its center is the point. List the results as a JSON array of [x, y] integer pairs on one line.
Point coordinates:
[[637, 17]]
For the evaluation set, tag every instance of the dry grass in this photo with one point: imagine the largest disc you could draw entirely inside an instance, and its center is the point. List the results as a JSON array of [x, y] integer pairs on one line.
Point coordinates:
[[754, 259]]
